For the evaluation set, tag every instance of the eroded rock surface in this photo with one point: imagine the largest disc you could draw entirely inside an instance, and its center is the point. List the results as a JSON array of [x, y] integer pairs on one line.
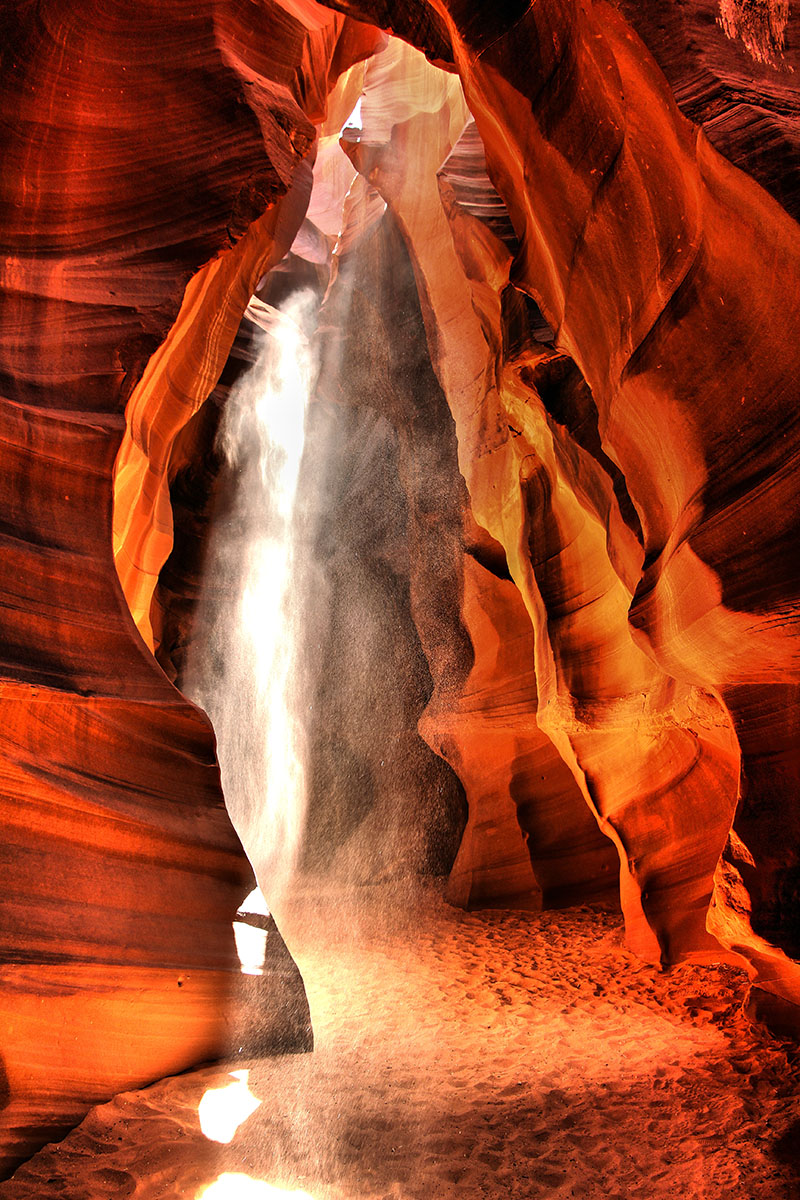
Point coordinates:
[[664, 620], [611, 311], [146, 150]]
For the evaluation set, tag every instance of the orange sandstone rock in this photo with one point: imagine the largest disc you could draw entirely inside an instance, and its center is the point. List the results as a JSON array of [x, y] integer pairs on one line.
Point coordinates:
[[638, 476], [146, 150], [657, 266]]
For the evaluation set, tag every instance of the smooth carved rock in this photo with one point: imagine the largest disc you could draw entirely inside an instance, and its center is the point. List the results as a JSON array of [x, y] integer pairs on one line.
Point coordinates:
[[731, 67], [181, 374], [485, 725], [146, 149], [626, 242], [515, 778], [638, 477]]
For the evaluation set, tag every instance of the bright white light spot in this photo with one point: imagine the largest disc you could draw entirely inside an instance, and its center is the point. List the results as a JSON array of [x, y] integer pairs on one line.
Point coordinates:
[[354, 120], [223, 1110], [251, 942], [233, 1186], [254, 902], [251, 946]]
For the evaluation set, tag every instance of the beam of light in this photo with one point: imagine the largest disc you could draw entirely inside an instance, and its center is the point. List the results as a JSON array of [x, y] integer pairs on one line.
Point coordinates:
[[251, 947], [354, 120], [235, 1186], [245, 676], [223, 1110]]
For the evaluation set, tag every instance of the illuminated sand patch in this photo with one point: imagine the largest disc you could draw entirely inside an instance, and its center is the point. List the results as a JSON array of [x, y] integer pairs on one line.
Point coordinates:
[[222, 1110], [235, 1186], [469, 1055]]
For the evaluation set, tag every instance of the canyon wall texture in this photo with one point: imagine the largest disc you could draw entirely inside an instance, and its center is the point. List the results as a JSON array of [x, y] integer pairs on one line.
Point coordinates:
[[147, 149], [593, 470], [664, 610]]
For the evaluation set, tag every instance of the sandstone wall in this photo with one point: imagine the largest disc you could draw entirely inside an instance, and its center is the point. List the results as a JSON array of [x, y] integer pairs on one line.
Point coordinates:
[[150, 152]]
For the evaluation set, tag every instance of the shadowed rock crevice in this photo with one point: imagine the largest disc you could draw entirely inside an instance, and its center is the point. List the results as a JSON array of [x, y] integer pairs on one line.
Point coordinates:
[[381, 527]]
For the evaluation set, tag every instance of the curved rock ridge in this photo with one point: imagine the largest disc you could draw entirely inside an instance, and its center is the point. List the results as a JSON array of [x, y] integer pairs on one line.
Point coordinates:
[[518, 788], [626, 243], [623, 236], [146, 149], [516, 781], [284, 67], [597, 690], [613, 662], [742, 95]]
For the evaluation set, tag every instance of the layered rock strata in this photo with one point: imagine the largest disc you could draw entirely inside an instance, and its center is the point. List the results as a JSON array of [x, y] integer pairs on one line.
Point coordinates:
[[626, 244], [636, 477], [147, 148], [730, 65]]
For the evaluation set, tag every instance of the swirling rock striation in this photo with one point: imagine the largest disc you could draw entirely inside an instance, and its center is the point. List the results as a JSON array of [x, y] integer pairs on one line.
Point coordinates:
[[146, 149], [730, 65], [660, 268], [621, 364]]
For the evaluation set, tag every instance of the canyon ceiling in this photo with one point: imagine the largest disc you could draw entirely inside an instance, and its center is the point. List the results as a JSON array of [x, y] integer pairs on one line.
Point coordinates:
[[563, 290]]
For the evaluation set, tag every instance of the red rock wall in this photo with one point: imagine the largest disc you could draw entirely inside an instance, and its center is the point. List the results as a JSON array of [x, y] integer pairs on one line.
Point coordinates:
[[666, 646], [153, 169], [730, 65], [146, 148]]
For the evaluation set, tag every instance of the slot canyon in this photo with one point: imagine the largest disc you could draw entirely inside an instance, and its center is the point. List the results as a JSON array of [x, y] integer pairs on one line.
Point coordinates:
[[400, 600]]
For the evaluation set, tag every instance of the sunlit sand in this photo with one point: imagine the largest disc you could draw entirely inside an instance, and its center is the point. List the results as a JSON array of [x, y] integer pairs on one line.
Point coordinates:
[[493, 1054]]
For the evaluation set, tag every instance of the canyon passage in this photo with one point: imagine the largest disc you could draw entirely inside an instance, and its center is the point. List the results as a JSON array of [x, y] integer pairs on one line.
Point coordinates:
[[398, 414]]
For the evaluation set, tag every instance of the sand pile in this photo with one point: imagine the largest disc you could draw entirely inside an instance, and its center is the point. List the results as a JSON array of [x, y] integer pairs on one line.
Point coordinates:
[[462, 1054]]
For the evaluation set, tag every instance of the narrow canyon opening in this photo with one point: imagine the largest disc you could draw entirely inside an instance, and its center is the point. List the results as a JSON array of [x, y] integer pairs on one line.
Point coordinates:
[[409, 807]]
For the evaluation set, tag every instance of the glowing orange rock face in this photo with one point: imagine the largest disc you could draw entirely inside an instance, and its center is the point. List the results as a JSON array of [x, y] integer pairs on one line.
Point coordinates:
[[650, 564], [141, 143], [640, 485]]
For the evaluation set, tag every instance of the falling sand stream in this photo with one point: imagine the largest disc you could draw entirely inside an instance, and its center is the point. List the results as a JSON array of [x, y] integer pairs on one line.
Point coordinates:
[[243, 673]]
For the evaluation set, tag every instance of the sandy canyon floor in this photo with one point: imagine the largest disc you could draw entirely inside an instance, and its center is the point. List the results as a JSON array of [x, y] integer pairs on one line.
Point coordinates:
[[490, 1054]]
